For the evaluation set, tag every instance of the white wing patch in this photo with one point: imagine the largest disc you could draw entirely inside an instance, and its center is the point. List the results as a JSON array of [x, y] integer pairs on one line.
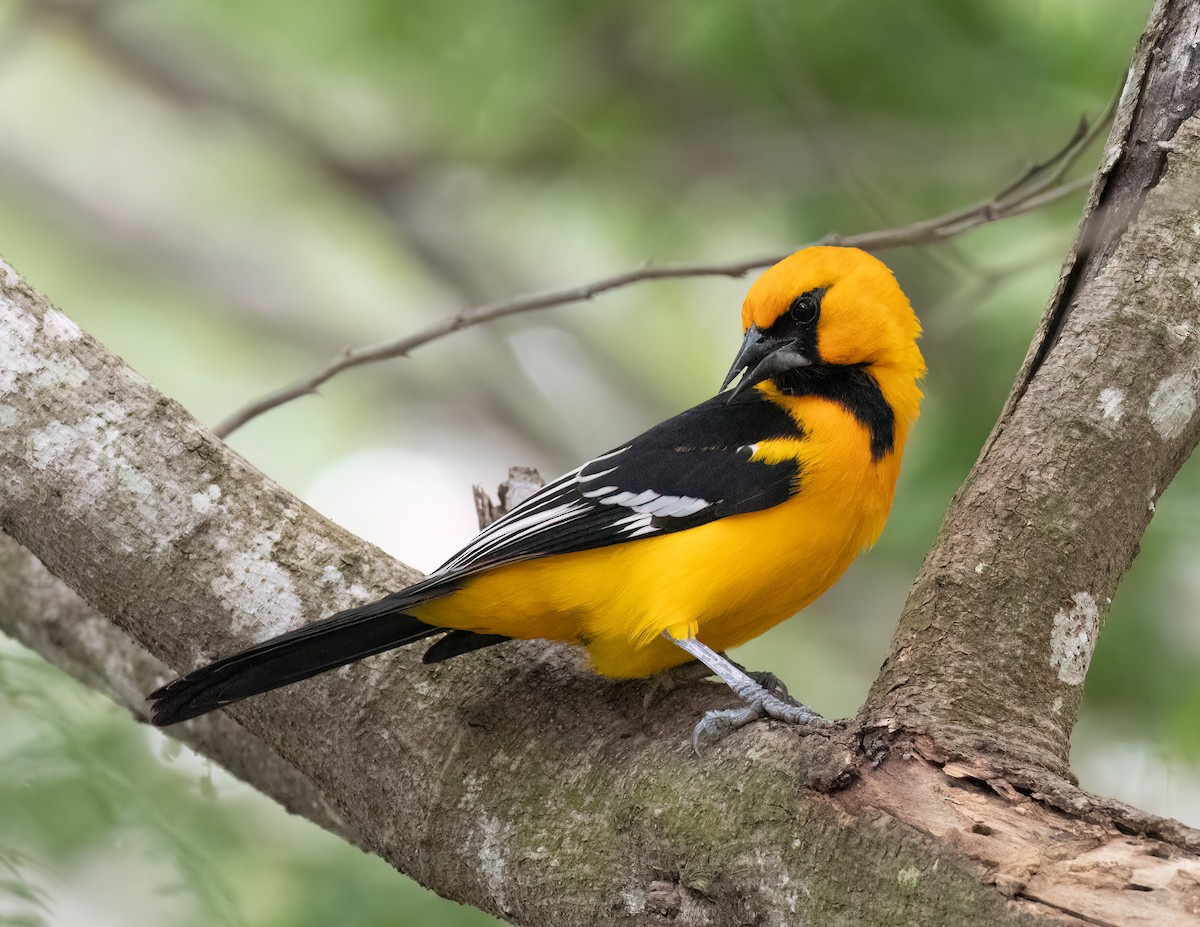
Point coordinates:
[[679, 506], [651, 503], [564, 507]]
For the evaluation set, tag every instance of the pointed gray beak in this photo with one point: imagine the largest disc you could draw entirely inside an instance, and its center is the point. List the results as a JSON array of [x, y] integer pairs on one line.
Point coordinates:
[[762, 357]]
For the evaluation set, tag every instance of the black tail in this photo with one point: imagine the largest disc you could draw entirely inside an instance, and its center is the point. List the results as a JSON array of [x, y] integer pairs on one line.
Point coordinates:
[[307, 651]]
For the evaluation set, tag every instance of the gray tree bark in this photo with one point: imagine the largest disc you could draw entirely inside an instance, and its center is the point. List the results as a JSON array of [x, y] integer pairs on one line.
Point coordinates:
[[1100, 419], [518, 782]]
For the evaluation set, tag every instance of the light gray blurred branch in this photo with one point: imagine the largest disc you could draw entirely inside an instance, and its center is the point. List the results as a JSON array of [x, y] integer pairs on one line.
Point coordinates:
[[384, 184]]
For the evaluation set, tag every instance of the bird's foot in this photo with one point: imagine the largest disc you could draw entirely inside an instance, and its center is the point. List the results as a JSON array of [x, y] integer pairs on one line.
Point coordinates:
[[719, 722], [765, 696]]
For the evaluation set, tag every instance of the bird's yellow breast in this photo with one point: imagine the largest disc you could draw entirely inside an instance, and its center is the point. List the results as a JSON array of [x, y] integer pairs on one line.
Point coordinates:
[[723, 582]]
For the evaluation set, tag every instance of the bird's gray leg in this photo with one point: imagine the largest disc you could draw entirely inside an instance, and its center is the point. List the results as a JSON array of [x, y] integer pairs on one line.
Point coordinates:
[[665, 681], [761, 702], [768, 681]]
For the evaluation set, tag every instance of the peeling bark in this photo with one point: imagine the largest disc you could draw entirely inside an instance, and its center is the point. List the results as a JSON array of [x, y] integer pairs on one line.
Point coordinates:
[[518, 782], [1044, 859]]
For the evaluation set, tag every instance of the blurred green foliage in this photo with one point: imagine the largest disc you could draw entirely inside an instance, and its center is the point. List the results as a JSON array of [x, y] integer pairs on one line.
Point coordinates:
[[228, 193]]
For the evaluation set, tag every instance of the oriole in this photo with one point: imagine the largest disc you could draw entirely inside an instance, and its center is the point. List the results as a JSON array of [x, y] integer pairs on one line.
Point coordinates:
[[693, 537]]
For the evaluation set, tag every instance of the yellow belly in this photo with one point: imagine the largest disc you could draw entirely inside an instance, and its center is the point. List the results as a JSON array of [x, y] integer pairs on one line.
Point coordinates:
[[725, 582]]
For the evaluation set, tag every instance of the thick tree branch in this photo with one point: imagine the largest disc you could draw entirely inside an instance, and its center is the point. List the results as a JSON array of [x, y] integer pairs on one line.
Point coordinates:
[[1100, 420], [43, 613]]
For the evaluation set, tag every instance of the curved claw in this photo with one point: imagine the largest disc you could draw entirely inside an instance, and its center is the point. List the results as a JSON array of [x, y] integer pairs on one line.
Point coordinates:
[[720, 721]]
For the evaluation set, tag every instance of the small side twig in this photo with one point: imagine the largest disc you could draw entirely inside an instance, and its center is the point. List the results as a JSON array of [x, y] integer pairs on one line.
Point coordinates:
[[1034, 188], [522, 483]]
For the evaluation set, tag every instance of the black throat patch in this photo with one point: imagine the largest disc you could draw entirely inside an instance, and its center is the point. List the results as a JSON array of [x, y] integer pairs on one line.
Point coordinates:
[[852, 387]]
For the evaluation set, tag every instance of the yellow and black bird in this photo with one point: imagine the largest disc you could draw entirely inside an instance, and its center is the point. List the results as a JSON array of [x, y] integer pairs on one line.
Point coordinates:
[[689, 539]]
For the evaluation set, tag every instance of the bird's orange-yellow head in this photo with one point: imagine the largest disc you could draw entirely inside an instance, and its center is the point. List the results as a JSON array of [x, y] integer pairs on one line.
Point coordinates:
[[830, 307]]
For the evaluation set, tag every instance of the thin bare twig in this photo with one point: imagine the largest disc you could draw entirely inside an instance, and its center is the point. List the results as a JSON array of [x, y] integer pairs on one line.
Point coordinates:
[[1038, 186]]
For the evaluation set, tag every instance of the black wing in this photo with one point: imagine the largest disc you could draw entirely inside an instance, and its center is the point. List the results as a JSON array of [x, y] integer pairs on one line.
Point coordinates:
[[689, 470]]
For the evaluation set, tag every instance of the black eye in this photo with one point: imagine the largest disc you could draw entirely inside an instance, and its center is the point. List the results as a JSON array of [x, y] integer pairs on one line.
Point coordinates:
[[806, 307]]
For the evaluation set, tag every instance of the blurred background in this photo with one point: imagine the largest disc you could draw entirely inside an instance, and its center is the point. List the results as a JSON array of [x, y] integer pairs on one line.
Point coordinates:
[[230, 193]]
